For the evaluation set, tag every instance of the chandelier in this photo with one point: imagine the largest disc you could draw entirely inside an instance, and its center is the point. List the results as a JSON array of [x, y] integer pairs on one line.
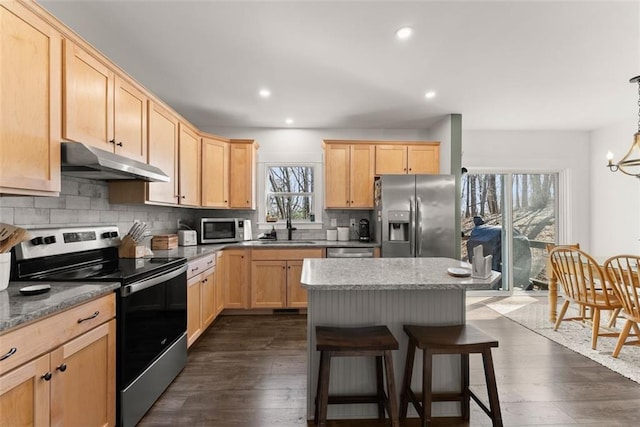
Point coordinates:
[[628, 165]]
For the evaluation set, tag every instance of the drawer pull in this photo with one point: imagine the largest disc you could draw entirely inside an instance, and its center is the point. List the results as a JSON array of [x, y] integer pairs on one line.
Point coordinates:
[[9, 353], [62, 367], [47, 376], [93, 316], [194, 269]]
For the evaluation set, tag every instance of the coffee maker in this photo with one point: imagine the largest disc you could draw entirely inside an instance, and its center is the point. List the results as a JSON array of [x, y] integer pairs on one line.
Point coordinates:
[[363, 230]]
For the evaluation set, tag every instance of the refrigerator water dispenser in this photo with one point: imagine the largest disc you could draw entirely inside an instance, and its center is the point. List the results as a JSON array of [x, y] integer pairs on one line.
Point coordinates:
[[398, 226]]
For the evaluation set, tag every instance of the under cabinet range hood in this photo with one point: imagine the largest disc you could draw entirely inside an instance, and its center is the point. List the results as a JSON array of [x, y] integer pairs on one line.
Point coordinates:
[[84, 161]]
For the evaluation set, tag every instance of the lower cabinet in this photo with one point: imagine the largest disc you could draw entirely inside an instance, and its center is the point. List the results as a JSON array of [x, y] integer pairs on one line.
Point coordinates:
[[275, 277], [201, 296], [236, 282], [71, 383]]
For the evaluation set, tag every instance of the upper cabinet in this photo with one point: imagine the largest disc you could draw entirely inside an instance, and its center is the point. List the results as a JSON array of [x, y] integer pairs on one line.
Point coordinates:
[[215, 172], [422, 158], [349, 173], [30, 99], [189, 169], [101, 108], [242, 160]]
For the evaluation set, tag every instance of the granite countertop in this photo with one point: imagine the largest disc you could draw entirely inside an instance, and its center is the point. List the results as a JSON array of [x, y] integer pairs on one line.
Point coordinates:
[[16, 309], [193, 252], [388, 274]]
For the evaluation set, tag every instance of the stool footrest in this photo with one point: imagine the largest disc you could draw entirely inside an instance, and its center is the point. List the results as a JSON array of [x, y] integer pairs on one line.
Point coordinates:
[[347, 399]]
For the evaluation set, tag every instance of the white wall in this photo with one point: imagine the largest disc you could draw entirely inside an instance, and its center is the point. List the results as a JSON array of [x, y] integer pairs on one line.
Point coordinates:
[[539, 151], [615, 197], [441, 131]]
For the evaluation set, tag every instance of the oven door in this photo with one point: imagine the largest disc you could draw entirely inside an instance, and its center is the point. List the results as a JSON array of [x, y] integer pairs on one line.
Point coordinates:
[[151, 341]]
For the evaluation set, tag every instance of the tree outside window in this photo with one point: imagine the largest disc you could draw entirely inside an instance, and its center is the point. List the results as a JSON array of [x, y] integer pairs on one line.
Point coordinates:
[[289, 193]]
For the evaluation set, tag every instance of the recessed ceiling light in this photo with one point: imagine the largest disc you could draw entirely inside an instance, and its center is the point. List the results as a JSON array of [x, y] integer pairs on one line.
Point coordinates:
[[288, 121], [265, 93], [430, 94], [404, 33]]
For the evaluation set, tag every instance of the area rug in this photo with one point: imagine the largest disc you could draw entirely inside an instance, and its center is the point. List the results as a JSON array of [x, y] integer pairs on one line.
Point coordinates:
[[533, 313]]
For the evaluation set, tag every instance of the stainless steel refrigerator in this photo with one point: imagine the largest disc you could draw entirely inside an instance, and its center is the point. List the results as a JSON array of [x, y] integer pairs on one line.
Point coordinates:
[[415, 215]]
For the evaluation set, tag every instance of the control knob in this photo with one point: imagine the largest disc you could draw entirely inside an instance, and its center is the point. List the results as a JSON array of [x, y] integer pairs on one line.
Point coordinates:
[[37, 241], [50, 239]]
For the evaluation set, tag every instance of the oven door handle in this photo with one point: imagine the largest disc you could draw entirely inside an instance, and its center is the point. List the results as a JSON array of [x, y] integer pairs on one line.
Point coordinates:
[[147, 283]]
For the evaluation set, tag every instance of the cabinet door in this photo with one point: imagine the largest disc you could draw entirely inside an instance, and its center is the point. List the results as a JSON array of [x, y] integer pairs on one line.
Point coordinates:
[[207, 300], [219, 283], [361, 176], [241, 175], [130, 121], [424, 159], [236, 285], [194, 309], [24, 394], [336, 176], [30, 102], [268, 284], [88, 100], [83, 385], [163, 153], [391, 159], [215, 173], [296, 294], [189, 169]]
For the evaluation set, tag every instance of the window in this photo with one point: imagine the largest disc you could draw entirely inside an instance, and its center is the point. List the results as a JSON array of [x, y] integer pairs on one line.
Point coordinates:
[[289, 192]]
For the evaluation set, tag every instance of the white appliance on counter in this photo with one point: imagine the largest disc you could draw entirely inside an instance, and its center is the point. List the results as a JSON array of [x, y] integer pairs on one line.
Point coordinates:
[[187, 238], [248, 234]]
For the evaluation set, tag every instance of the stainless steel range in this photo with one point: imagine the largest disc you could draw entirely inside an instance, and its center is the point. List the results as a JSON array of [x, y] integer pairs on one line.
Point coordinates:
[[151, 305]]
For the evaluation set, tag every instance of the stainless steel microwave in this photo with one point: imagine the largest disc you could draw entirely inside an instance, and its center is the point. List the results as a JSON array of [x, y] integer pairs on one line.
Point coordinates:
[[220, 230]]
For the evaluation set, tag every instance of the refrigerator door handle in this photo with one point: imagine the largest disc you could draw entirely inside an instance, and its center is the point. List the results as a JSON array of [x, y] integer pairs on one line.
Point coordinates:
[[412, 226], [418, 222]]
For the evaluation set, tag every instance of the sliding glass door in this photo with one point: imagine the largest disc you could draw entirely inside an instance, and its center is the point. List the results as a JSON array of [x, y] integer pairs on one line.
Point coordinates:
[[512, 216]]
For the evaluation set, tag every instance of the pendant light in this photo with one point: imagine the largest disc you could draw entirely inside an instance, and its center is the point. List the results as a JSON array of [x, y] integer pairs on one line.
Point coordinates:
[[629, 165]]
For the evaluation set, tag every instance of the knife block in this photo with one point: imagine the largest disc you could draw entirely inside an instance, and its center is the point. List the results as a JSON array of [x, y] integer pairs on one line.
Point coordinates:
[[130, 249]]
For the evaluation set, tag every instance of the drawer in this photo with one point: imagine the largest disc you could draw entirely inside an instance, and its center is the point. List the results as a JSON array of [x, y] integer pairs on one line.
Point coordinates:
[[285, 254], [44, 335], [199, 265]]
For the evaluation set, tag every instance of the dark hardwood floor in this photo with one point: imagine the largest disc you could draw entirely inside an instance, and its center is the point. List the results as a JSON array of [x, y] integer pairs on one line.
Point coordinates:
[[251, 371]]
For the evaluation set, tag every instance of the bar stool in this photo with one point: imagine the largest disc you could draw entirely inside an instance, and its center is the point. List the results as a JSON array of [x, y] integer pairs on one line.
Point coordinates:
[[462, 340], [375, 341]]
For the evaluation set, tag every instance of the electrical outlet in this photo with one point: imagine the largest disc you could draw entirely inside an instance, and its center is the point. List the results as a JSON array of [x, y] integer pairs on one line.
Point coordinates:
[[352, 222], [334, 222], [179, 224]]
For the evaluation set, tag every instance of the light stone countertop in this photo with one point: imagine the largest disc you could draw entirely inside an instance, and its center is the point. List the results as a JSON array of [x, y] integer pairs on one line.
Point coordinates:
[[388, 274], [193, 252], [16, 309]]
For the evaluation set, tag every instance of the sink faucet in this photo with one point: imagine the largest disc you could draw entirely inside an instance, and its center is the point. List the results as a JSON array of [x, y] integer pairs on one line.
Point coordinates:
[[289, 227]]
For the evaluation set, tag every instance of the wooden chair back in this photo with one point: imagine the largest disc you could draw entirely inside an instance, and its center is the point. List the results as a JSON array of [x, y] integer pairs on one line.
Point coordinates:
[[582, 279], [623, 272]]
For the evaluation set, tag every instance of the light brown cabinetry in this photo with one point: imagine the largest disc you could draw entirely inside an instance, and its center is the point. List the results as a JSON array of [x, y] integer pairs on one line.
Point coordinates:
[[30, 100], [63, 369], [275, 277], [237, 270], [189, 169], [163, 153], [242, 158], [423, 158], [349, 173], [201, 296], [101, 108], [215, 172]]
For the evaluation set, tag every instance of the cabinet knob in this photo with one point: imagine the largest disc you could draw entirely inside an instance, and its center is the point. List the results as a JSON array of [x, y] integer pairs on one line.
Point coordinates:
[[112, 141], [46, 376], [119, 144], [62, 367]]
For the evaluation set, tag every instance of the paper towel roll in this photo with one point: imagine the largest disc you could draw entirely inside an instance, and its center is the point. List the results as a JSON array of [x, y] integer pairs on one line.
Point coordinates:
[[343, 234]]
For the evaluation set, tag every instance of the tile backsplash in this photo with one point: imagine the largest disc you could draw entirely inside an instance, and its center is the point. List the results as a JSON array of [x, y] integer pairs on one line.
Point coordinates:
[[86, 202]]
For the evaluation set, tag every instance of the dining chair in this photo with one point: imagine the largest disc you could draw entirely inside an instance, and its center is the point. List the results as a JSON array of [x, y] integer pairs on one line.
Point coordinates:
[[623, 273], [583, 283], [553, 284]]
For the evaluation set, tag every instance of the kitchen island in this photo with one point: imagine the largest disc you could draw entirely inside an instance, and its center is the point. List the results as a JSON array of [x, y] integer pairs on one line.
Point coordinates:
[[383, 291]]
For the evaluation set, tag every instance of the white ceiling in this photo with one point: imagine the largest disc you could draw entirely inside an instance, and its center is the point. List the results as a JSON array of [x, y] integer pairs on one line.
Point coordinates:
[[519, 65]]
